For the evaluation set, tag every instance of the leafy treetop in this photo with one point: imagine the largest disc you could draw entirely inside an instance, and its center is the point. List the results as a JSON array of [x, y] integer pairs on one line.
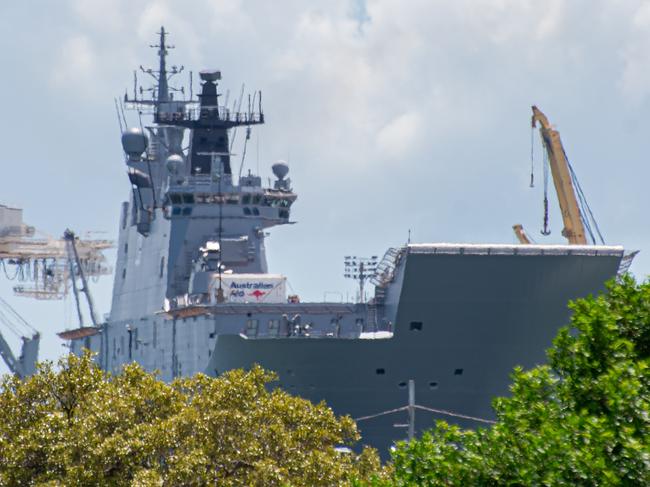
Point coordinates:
[[79, 426], [584, 419]]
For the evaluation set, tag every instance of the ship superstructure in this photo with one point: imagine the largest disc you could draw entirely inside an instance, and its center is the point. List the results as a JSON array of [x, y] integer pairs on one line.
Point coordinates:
[[192, 292]]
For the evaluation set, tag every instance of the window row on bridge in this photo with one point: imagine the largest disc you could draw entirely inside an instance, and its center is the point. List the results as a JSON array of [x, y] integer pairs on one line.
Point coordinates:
[[230, 199]]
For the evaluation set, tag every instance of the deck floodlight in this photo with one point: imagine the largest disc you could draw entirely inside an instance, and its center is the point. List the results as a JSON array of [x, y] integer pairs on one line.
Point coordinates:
[[360, 269]]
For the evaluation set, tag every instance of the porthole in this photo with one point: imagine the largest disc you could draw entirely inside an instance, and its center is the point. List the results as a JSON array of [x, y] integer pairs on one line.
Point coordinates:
[[433, 385], [415, 326], [402, 385], [458, 372]]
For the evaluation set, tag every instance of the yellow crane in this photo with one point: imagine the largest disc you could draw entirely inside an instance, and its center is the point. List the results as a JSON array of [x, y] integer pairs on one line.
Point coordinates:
[[521, 234], [574, 229]]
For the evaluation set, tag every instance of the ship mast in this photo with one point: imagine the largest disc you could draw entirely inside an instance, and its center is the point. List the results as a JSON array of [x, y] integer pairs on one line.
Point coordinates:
[[163, 87]]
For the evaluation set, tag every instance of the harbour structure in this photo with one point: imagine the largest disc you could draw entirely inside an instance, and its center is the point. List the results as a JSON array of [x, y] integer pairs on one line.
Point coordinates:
[[192, 292], [44, 268], [40, 263]]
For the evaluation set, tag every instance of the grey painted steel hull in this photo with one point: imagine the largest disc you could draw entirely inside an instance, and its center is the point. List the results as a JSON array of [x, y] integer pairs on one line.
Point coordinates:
[[481, 316]]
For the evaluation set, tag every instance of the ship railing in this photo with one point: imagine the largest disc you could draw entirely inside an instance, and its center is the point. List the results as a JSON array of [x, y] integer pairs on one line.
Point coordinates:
[[626, 262], [386, 268], [224, 114]]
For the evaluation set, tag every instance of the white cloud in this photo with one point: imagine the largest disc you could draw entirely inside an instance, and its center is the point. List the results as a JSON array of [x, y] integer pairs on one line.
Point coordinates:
[[76, 61], [635, 78], [101, 15], [397, 138]]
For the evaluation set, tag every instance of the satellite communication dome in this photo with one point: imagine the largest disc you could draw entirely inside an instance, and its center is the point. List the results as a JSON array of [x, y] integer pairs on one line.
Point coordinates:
[[280, 169], [134, 142], [210, 75], [174, 163]]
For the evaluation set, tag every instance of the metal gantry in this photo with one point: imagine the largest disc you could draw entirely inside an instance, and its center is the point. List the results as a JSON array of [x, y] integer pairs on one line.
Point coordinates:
[[40, 264]]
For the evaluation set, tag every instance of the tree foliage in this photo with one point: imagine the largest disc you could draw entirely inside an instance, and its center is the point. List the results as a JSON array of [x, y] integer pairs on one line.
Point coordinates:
[[584, 419], [79, 425]]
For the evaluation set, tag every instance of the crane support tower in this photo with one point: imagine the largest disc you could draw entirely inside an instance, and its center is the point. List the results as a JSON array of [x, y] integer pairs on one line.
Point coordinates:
[[25, 364]]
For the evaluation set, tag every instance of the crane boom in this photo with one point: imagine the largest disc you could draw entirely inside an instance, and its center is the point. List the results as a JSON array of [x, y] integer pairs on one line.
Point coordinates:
[[521, 234], [25, 364], [574, 229]]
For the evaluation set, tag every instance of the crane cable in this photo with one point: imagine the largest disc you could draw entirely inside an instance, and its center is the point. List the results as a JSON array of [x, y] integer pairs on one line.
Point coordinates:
[[14, 321], [532, 156], [545, 165], [586, 215]]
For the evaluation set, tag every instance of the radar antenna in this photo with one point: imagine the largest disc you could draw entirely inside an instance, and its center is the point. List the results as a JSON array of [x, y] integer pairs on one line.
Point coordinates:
[[161, 90]]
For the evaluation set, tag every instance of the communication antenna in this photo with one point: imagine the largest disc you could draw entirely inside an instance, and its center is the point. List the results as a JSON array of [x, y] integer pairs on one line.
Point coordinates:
[[360, 269]]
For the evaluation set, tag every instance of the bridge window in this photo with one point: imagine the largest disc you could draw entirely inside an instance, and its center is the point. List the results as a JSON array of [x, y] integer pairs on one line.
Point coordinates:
[[175, 198], [458, 372], [247, 211], [256, 199], [246, 199], [256, 211], [187, 210], [283, 214], [176, 210], [188, 198], [380, 371]]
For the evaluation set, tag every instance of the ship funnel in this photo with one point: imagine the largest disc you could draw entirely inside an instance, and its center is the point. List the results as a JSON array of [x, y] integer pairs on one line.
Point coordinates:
[[134, 143]]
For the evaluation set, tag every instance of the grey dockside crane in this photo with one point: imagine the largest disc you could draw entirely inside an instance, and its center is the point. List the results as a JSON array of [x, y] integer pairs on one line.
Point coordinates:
[[25, 364]]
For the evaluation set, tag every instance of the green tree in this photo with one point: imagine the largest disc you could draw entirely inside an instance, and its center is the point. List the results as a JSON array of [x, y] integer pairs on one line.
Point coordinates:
[[79, 425], [584, 419]]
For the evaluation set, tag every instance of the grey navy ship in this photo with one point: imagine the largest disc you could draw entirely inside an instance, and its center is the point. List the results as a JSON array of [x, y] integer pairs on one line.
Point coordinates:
[[192, 293]]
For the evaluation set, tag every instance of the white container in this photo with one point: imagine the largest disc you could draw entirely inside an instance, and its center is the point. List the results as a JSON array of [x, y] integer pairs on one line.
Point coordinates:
[[250, 288]]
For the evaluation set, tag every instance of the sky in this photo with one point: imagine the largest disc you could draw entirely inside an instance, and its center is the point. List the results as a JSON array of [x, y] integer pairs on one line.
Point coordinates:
[[395, 116]]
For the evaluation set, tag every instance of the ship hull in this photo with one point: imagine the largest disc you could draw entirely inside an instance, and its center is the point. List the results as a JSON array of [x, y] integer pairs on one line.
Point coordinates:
[[455, 319], [463, 322]]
